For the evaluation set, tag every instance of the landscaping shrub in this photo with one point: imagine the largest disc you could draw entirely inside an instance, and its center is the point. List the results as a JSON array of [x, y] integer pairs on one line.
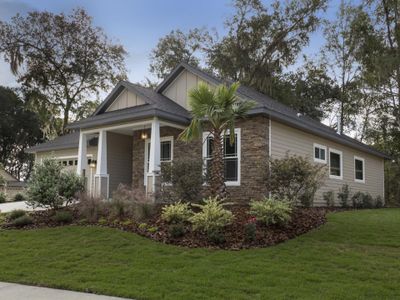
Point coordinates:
[[216, 236], [344, 196], [295, 179], [90, 208], [3, 197], [63, 217], [49, 186], [271, 211], [23, 221], [362, 200], [212, 216], [367, 201], [250, 230], [16, 213], [329, 198], [19, 197], [378, 202], [176, 230], [176, 213], [186, 178]]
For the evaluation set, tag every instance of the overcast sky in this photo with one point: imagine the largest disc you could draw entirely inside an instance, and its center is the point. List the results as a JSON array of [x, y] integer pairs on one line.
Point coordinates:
[[138, 25]]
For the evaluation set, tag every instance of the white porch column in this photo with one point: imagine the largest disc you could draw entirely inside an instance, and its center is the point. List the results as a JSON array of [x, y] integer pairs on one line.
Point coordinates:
[[154, 159], [82, 155], [101, 176]]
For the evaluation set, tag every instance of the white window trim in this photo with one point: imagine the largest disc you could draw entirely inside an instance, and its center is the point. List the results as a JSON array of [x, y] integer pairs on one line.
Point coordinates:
[[322, 161], [206, 134], [341, 164], [146, 157], [354, 165]]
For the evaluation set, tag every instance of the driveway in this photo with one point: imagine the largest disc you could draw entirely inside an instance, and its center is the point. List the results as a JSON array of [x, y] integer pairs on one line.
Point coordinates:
[[12, 291], [9, 206]]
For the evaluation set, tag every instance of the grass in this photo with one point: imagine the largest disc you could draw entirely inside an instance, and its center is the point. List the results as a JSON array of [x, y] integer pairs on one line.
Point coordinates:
[[354, 256]]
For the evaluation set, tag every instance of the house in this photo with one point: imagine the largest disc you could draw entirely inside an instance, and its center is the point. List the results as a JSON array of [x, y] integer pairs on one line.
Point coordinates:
[[115, 144], [12, 185]]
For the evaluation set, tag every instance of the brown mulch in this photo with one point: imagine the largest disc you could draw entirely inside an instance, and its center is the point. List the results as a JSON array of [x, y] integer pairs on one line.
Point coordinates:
[[302, 221]]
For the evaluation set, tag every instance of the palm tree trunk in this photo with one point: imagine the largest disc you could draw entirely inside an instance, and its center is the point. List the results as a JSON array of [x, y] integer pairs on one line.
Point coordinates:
[[217, 178]]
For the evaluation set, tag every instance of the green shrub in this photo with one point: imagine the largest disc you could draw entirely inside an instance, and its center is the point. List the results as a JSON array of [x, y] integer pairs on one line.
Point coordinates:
[[143, 226], [50, 187], [152, 229], [176, 230], [344, 196], [212, 216], [362, 200], [90, 208], [329, 198], [271, 211], [216, 236], [3, 197], [63, 217], [176, 213], [184, 178], [16, 213], [250, 231], [379, 202], [23, 221], [102, 221], [19, 197], [295, 179]]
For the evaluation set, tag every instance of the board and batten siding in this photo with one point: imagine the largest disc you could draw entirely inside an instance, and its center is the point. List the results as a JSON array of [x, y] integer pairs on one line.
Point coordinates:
[[286, 139], [126, 99]]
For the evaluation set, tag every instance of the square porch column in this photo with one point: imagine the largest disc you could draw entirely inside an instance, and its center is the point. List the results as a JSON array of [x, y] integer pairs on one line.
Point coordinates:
[[153, 177], [82, 155], [101, 178]]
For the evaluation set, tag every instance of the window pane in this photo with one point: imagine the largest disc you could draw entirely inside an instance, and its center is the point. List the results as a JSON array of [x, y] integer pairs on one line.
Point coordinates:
[[316, 152], [359, 169], [322, 154], [335, 164], [230, 150], [231, 169], [166, 151]]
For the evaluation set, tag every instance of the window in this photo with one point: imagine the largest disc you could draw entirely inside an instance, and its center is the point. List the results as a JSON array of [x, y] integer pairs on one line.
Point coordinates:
[[166, 153], [319, 153], [335, 164], [359, 175], [231, 156]]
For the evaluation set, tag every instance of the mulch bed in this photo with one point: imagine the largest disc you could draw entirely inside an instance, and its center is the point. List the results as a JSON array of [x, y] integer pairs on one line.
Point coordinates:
[[302, 221]]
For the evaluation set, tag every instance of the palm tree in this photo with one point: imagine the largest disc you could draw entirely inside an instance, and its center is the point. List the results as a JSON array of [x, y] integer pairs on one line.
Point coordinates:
[[216, 111]]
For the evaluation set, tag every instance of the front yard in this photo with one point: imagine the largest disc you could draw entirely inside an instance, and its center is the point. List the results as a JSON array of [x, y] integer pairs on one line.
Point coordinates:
[[355, 255]]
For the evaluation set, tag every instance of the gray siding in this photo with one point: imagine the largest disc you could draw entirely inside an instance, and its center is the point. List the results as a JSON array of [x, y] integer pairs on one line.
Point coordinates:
[[119, 160], [286, 139]]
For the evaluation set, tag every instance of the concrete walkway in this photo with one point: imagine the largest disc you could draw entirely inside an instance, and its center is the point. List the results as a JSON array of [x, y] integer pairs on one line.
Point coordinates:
[[12, 291], [9, 206]]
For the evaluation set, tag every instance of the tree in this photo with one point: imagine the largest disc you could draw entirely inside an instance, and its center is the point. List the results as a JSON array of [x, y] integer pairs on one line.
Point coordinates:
[[19, 129], [177, 47], [339, 55], [217, 111], [63, 57]]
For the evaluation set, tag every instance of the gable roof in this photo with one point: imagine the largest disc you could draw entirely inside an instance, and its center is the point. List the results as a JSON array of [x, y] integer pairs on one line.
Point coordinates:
[[274, 109]]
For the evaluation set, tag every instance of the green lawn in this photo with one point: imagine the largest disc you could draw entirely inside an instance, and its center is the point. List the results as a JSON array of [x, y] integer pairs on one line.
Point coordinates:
[[356, 255]]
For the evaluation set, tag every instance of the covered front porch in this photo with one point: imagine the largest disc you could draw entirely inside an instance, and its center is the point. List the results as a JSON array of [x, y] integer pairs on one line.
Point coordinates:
[[126, 152]]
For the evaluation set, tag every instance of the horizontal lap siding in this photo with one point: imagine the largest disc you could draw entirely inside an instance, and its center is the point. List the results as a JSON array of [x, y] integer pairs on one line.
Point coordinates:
[[285, 138]]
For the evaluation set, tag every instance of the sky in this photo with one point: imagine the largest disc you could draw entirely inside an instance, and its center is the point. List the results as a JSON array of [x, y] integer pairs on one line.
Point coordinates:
[[138, 25]]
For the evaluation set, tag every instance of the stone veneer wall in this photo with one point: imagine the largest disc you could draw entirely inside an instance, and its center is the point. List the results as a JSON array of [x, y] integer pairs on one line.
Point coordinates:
[[254, 156]]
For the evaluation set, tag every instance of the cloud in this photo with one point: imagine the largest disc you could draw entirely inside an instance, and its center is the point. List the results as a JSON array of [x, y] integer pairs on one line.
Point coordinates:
[[9, 9]]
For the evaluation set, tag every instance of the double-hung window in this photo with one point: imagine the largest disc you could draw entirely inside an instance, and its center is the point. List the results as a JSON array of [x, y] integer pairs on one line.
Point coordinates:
[[231, 156], [335, 164], [359, 169], [319, 153], [166, 153]]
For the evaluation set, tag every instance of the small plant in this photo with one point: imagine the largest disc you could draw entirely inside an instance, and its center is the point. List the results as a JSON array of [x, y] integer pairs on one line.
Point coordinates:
[[362, 200], [176, 213], [63, 217], [344, 196], [176, 230], [127, 223], [367, 201], [102, 221], [212, 216], [271, 211], [19, 197], [378, 202], [250, 230], [23, 221], [152, 229], [90, 208], [216, 236], [3, 197], [143, 226], [15, 214], [329, 198]]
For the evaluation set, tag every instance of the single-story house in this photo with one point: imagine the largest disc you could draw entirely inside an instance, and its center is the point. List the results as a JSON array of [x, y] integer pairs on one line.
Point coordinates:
[[135, 129], [12, 185]]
